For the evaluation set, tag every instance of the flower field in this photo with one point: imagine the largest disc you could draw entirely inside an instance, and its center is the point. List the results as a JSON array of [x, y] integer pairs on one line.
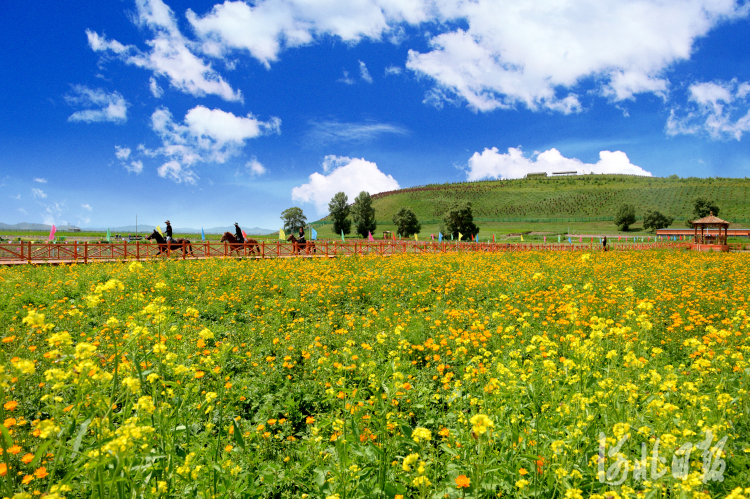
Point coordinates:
[[528, 374]]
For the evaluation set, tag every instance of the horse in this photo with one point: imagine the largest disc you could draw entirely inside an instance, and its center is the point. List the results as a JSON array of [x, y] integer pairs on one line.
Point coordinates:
[[297, 246], [249, 244], [175, 244]]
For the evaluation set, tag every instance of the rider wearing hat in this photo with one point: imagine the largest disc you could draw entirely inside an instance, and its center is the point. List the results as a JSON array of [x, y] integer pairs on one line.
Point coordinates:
[[238, 233], [301, 238], [168, 231]]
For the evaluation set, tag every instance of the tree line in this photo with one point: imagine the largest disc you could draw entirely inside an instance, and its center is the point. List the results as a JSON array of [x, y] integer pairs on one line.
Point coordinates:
[[457, 219], [654, 220]]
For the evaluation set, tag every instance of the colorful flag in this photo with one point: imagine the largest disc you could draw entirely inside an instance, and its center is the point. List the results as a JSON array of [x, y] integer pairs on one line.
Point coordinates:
[[440, 237], [158, 229], [460, 236], [243, 234], [342, 236], [415, 237], [282, 236], [203, 235], [369, 236], [580, 239], [545, 239], [569, 241], [559, 239], [108, 234], [52, 232], [521, 237], [493, 238], [394, 237], [314, 234]]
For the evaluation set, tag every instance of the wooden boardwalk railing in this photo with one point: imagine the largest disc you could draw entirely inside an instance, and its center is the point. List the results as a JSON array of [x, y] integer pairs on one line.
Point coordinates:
[[27, 253]]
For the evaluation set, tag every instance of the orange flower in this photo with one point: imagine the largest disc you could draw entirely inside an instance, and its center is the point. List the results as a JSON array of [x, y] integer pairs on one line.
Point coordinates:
[[27, 479], [9, 422], [199, 374], [310, 420], [15, 449], [9, 406], [523, 472], [27, 458], [41, 472], [463, 481], [3, 469]]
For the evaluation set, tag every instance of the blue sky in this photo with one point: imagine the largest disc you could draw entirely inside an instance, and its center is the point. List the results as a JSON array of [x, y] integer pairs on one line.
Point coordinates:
[[209, 113]]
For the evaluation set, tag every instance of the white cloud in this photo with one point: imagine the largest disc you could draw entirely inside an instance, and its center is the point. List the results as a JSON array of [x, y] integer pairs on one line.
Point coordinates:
[[170, 54], [346, 78], [351, 176], [335, 131], [17, 196], [364, 73], [720, 109], [122, 153], [23, 211], [41, 180], [206, 135], [156, 90], [134, 167], [255, 167], [393, 70], [87, 206], [492, 164], [111, 107], [269, 26], [38, 193]]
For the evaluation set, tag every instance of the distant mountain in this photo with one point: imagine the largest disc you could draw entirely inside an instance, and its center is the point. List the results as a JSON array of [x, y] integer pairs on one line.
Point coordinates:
[[130, 229]]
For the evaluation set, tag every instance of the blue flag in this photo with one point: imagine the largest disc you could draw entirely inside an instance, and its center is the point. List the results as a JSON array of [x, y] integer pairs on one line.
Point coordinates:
[[203, 235], [440, 237], [569, 241], [314, 234]]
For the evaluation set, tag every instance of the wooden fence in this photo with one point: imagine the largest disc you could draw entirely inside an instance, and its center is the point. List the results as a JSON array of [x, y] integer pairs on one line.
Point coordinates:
[[28, 253]]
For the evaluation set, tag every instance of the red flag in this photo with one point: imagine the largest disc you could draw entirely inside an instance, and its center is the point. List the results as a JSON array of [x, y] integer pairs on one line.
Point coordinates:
[[369, 236], [52, 232], [243, 234]]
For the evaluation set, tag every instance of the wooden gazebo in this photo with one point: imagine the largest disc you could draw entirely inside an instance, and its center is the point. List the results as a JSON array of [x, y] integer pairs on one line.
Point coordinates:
[[702, 236]]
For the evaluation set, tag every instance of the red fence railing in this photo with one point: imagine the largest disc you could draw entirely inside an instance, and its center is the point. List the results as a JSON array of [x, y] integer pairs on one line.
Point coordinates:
[[26, 252]]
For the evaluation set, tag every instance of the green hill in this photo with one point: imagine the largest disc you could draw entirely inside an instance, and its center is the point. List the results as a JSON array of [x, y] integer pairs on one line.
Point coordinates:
[[586, 203]]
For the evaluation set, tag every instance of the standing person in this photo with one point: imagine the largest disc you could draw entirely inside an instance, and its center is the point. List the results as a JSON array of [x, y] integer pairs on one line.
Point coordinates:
[[238, 233], [168, 231], [604, 243]]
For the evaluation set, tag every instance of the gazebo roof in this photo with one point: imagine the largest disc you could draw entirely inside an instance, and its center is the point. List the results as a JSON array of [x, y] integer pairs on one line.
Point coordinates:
[[710, 220]]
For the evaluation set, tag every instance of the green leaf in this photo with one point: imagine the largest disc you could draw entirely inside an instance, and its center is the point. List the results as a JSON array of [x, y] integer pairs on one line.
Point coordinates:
[[238, 435], [450, 451], [7, 439], [79, 437], [40, 452]]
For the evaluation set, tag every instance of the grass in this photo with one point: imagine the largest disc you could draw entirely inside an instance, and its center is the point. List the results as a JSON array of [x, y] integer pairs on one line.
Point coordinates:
[[460, 375]]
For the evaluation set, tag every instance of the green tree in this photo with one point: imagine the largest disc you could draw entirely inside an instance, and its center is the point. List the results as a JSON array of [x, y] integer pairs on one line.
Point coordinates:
[[654, 220], [406, 222], [293, 219], [702, 207], [338, 207], [363, 214], [625, 217], [459, 218]]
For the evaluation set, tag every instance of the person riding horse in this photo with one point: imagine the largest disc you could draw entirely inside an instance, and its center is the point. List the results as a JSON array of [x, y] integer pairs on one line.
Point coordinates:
[[168, 232], [238, 233], [301, 238]]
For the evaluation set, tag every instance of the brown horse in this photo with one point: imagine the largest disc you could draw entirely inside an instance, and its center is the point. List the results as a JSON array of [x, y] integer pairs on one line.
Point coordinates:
[[175, 244], [297, 246], [249, 244]]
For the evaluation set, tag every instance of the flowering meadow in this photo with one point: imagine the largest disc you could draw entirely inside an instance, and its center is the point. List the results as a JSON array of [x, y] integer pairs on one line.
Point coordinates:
[[529, 374]]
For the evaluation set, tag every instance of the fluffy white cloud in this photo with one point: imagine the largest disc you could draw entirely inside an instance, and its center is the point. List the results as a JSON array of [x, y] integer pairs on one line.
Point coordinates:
[[206, 135], [86, 207], [720, 109], [364, 73], [41, 180], [111, 107], [267, 27], [534, 52], [38, 193], [492, 164], [170, 54], [351, 176], [134, 167], [255, 167], [122, 153], [156, 90]]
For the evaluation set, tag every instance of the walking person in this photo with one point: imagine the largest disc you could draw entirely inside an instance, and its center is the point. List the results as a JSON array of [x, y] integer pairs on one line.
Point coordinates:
[[604, 243]]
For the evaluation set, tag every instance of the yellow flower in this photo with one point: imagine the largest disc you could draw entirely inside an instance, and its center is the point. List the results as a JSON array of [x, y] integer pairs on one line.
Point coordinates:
[[133, 384], [34, 318], [421, 481], [421, 434], [135, 266], [146, 403], [521, 484], [25, 366], [409, 460], [481, 423]]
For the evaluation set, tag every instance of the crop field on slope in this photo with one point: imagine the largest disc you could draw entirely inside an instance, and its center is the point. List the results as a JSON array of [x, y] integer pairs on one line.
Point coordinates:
[[462, 375]]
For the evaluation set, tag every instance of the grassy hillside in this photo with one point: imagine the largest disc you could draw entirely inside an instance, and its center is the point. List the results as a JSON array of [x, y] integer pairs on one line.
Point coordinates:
[[585, 203]]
